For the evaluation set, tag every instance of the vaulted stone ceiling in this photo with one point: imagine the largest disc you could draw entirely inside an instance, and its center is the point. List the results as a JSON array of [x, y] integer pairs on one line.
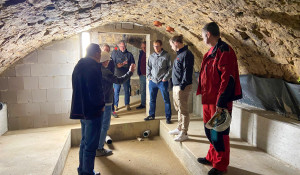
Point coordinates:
[[264, 33]]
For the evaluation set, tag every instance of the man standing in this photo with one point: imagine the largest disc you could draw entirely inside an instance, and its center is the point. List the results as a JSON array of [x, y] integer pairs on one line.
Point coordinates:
[[219, 85], [111, 66], [182, 78], [159, 68], [142, 74], [88, 105], [108, 79], [122, 60]]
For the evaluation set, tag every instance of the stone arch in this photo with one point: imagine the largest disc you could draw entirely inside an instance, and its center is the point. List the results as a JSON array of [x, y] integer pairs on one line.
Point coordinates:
[[265, 34]]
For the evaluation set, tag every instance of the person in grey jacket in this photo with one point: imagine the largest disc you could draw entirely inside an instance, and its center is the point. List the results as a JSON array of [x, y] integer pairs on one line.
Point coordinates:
[[108, 79], [159, 72]]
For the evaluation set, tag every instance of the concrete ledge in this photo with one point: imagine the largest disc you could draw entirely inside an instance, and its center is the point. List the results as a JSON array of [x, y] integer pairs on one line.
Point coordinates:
[[35, 151], [269, 131], [59, 167], [182, 152], [122, 131]]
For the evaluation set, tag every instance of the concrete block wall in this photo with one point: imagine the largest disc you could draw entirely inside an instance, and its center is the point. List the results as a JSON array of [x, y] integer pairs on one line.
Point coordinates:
[[269, 131], [38, 89]]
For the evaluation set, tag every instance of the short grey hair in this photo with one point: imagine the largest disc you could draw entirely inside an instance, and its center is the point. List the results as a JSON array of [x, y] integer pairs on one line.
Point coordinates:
[[122, 41]]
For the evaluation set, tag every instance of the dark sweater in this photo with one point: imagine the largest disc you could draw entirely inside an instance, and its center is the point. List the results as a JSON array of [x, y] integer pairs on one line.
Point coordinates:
[[119, 57], [182, 72], [87, 98]]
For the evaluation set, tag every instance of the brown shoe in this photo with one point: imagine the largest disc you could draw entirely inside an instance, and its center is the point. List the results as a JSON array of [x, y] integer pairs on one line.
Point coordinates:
[[128, 108], [116, 108]]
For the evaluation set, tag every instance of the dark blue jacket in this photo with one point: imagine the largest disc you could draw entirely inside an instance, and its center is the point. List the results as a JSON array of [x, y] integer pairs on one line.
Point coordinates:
[[119, 57], [139, 62], [182, 72], [87, 99]]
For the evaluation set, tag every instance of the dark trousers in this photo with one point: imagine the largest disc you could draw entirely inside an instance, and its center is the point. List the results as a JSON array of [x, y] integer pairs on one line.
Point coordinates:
[[90, 131]]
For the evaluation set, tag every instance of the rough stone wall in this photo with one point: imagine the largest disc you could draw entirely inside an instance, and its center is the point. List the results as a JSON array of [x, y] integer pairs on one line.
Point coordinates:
[[38, 88], [264, 33]]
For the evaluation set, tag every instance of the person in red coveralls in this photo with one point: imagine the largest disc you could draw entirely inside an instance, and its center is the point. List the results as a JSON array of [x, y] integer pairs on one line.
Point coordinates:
[[219, 85]]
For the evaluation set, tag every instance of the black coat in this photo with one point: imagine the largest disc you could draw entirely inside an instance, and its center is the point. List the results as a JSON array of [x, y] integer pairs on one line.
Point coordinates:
[[87, 98]]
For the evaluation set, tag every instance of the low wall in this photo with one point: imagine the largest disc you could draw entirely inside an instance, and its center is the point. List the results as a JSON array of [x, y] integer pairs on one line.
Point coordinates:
[[269, 131]]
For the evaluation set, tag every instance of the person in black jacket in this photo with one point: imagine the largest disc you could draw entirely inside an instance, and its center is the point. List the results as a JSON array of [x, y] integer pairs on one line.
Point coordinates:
[[141, 70], [122, 59], [108, 79], [88, 105], [182, 76]]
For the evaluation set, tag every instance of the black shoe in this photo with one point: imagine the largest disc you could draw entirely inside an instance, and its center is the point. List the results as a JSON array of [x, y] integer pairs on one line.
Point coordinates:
[[149, 118], [204, 161], [168, 121], [140, 107], [214, 171], [98, 173]]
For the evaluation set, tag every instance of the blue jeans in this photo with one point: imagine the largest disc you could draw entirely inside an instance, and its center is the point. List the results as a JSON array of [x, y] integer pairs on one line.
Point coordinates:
[[143, 89], [153, 89], [105, 126], [117, 88], [89, 141]]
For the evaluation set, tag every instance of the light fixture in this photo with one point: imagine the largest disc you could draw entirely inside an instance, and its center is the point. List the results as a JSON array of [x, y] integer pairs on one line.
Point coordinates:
[[170, 29], [157, 23], [85, 41]]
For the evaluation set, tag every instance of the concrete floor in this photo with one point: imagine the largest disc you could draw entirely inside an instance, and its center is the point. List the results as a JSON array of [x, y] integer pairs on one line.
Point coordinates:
[[133, 157]]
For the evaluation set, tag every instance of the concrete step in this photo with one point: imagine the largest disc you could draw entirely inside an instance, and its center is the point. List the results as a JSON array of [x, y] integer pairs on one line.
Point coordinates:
[[35, 151], [244, 158], [132, 157], [123, 131]]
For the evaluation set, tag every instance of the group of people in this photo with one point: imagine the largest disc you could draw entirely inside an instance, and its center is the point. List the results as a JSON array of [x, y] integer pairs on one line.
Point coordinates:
[[96, 90]]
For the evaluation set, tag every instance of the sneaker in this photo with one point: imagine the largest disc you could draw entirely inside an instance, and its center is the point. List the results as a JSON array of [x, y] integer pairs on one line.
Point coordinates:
[[214, 171], [114, 114], [168, 121], [174, 132], [204, 161], [140, 107], [128, 108], [149, 118], [181, 137], [98, 173], [103, 152], [116, 108]]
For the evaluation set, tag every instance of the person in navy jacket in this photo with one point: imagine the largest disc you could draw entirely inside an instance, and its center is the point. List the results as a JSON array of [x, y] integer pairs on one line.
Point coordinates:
[[122, 60]]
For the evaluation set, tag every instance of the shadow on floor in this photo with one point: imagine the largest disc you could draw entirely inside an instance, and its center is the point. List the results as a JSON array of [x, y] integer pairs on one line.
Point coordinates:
[[234, 170], [115, 168]]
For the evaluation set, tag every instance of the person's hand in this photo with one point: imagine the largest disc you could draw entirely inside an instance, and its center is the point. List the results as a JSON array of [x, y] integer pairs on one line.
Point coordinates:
[[163, 80], [132, 68], [125, 62], [103, 109], [219, 109], [119, 65]]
